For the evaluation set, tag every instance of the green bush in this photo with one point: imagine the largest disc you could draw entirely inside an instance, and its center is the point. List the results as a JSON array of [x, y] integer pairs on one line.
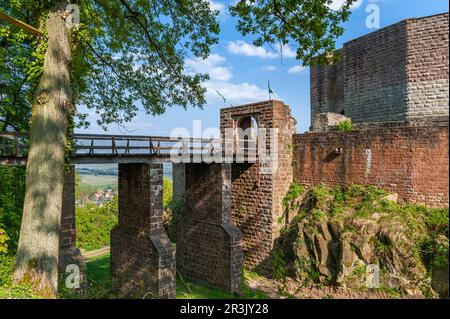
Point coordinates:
[[345, 126], [6, 270], [294, 192], [172, 215], [8, 290], [12, 194], [3, 241], [94, 224], [167, 192]]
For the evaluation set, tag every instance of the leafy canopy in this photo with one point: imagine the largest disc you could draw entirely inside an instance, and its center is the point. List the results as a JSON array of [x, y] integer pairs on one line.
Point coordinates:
[[309, 25], [125, 53]]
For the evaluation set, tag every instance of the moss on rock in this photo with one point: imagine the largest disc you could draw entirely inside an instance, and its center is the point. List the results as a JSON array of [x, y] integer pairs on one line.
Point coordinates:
[[337, 232]]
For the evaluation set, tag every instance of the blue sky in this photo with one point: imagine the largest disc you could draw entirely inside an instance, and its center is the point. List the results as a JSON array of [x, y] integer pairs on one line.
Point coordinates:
[[240, 71]]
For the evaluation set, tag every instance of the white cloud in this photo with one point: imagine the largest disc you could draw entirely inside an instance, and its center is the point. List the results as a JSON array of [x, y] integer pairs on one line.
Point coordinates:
[[287, 52], [240, 47], [220, 76], [211, 65], [296, 69], [269, 68], [235, 93], [337, 4], [215, 5]]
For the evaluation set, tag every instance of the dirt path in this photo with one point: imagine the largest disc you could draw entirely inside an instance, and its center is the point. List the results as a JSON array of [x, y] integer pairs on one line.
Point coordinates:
[[94, 253]]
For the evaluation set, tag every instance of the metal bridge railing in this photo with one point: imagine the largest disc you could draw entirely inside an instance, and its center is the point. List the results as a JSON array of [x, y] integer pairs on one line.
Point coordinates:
[[14, 144]]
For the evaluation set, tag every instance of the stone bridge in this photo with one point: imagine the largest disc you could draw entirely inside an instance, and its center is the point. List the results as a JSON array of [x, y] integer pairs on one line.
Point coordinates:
[[230, 209]]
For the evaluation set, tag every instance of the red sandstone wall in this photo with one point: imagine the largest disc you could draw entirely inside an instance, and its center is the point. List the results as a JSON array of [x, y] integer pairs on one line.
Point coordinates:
[[411, 161], [256, 196]]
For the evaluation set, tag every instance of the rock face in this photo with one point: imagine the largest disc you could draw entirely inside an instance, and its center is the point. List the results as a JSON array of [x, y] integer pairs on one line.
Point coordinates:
[[337, 243]]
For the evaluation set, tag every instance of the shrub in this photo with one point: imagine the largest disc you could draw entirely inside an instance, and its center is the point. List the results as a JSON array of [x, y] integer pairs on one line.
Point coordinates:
[[172, 215], [345, 126], [8, 290], [3, 241], [167, 192], [94, 224], [294, 192], [12, 193]]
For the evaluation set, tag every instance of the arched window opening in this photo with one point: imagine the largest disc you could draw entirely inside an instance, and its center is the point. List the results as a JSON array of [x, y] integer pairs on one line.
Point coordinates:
[[247, 136]]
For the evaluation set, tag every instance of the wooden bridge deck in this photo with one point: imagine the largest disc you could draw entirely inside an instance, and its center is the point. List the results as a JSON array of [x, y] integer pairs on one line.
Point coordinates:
[[98, 148]]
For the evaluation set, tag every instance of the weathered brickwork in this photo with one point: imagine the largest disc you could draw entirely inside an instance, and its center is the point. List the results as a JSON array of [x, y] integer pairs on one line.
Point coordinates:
[[209, 245], [327, 88], [375, 76], [427, 66], [327, 121], [398, 73], [411, 161], [256, 195], [69, 254], [67, 233], [142, 256]]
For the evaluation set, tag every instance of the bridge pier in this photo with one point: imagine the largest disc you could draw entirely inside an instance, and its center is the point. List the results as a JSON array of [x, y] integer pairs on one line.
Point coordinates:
[[142, 256], [179, 181], [69, 254], [209, 245]]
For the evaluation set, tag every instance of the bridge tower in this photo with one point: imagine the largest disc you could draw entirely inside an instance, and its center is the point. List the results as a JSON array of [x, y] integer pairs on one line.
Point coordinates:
[[258, 187]]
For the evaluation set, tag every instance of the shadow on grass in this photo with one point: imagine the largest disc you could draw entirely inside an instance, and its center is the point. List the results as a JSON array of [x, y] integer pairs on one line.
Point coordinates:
[[99, 276]]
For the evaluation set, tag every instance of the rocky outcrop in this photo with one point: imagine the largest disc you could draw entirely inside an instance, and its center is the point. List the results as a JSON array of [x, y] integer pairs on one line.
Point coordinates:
[[337, 241]]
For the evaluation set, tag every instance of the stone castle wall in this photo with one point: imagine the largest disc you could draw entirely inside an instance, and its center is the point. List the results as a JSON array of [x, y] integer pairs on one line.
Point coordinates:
[[412, 161], [398, 73], [427, 68]]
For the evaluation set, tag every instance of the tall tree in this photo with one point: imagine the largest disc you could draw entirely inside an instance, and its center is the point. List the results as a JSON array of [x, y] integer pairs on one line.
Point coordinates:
[[311, 26], [123, 53]]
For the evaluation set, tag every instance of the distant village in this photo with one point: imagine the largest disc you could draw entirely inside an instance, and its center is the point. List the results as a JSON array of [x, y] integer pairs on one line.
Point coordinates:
[[100, 194], [98, 198]]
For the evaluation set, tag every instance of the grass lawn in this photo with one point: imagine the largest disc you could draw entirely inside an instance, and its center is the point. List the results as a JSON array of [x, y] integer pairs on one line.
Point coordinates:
[[99, 275]]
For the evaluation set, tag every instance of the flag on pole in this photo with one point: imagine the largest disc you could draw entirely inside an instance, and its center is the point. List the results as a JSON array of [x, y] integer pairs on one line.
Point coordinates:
[[270, 90], [223, 98]]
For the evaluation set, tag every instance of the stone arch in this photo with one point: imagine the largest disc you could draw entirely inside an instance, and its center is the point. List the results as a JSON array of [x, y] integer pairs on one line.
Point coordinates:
[[246, 136]]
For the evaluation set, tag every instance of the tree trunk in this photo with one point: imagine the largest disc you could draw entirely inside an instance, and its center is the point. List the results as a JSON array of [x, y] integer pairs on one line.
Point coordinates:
[[37, 255]]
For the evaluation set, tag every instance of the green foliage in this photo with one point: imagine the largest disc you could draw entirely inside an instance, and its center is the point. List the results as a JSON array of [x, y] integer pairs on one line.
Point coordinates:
[[94, 224], [3, 242], [6, 270], [309, 24], [345, 126], [8, 290], [173, 214], [125, 53], [167, 192], [294, 192], [20, 53], [278, 264], [12, 193]]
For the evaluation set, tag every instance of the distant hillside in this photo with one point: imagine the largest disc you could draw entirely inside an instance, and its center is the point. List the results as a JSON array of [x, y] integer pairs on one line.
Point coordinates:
[[112, 170]]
